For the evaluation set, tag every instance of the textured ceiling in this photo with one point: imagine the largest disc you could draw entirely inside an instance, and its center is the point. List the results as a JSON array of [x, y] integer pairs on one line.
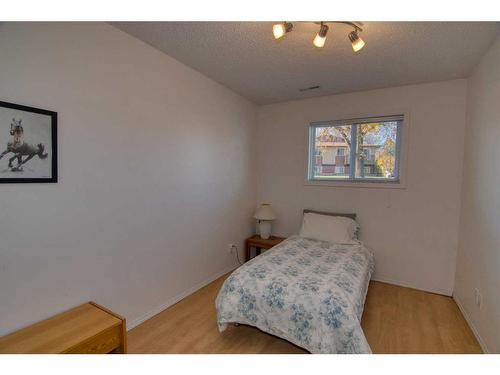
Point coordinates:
[[244, 56]]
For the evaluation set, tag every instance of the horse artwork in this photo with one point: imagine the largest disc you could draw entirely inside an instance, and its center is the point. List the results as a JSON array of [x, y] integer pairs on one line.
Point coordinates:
[[20, 148], [28, 144]]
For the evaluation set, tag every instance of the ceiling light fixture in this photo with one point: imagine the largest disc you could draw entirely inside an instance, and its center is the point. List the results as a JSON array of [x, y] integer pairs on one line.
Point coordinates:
[[320, 38], [356, 41], [280, 30]]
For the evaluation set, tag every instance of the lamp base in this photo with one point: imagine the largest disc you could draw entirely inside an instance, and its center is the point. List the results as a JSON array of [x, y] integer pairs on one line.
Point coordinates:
[[265, 229]]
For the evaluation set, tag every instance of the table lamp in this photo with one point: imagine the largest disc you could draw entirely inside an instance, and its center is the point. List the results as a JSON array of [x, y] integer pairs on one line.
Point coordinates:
[[264, 215]]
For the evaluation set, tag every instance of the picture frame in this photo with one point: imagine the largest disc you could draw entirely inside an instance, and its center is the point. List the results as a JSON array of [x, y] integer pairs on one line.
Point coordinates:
[[28, 144]]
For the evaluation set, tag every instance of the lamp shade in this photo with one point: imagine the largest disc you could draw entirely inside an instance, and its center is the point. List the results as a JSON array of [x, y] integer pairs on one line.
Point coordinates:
[[264, 213]]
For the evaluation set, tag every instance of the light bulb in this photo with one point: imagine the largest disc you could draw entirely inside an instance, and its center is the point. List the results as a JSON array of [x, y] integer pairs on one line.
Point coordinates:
[[320, 38], [356, 41], [358, 45], [319, 41], [280, 29]]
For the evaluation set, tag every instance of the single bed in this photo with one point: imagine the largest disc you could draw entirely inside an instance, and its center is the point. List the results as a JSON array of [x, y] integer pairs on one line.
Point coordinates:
[[306, 291]]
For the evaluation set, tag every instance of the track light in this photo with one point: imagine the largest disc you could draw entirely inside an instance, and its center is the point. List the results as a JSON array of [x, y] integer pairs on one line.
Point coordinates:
[[320, 38], [356, 41], [280, 29]]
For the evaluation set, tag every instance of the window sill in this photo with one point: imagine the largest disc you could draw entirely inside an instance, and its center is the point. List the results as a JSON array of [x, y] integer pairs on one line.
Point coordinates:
[[357, 184]]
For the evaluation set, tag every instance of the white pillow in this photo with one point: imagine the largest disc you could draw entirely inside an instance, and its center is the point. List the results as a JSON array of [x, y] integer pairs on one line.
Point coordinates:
[[336, 229]]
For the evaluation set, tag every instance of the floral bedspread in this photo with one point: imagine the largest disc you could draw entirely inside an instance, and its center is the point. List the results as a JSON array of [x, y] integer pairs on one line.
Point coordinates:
[[308, 292]]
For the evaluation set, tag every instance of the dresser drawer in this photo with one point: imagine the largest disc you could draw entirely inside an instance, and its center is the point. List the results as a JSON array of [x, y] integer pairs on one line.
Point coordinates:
[[103, 343]]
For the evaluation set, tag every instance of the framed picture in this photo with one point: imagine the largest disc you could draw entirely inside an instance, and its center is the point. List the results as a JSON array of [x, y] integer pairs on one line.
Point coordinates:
[[28, 144]]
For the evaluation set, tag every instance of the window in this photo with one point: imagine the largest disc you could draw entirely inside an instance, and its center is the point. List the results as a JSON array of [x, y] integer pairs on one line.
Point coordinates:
[[372, 146]]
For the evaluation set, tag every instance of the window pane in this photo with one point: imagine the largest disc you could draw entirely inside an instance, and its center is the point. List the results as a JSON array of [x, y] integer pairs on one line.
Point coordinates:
[[331, 152], [376, 150]]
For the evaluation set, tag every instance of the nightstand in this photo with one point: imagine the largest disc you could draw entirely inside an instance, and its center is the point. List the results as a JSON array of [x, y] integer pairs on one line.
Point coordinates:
[[259, 244]]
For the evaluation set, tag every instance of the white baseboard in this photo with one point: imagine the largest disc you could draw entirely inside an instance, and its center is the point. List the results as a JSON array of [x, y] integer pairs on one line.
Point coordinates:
[[412, 286], [479, 339], [178, 297]]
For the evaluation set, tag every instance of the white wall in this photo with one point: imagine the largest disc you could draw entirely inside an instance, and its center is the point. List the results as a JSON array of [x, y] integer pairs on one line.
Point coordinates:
[[156, 175], [413, 231], [478, 262]]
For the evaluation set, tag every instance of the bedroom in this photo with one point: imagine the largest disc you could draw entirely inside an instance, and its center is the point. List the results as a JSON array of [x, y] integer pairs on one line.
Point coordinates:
[[164, 151]]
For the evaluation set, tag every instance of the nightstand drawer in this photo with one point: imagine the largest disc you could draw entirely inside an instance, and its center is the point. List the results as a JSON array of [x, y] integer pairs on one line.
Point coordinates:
[[103, 343]]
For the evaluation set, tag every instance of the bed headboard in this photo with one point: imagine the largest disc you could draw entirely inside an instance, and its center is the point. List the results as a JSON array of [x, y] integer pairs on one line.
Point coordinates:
[[351, 216]]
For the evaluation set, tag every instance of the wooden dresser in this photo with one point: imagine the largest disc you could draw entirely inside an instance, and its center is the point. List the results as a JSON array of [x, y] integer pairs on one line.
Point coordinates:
[[86, 329]]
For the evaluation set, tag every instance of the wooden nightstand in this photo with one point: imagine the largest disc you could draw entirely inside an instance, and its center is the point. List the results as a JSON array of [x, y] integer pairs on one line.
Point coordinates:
[[259, 244]]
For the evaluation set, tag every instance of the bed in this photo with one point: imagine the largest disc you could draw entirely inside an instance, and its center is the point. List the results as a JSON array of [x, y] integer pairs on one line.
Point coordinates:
[[307, 291]]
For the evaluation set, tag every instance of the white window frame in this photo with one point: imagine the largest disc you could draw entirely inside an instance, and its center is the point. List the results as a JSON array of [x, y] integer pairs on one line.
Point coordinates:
[[401, 153]]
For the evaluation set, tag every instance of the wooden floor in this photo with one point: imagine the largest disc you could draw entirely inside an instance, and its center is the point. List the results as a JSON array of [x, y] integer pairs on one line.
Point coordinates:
[[395, 320]]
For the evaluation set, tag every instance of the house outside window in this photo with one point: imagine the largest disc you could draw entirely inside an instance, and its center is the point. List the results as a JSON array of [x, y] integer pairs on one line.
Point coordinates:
[[366, 150]]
